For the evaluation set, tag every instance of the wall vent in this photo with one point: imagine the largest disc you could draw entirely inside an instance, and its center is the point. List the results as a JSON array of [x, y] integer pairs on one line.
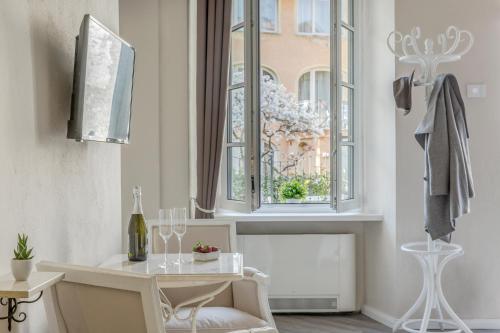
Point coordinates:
[[289, 304]]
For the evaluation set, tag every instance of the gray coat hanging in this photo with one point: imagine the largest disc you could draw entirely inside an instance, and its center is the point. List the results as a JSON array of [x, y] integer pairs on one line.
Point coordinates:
[[444, 136]]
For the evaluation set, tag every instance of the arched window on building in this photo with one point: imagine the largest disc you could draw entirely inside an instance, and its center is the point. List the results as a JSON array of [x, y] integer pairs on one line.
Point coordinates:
[[266, 72]]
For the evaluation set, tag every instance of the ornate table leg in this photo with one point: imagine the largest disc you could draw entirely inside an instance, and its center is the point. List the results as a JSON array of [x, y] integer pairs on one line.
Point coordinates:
[[12, 307], [170, 312]]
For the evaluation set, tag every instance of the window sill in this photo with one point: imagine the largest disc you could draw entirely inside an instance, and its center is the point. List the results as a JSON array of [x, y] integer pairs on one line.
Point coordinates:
[[301, 217]]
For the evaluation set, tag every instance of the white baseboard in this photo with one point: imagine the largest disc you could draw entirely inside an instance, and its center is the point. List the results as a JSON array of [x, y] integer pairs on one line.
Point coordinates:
[[389, 321], [483, 324], [378, 316]]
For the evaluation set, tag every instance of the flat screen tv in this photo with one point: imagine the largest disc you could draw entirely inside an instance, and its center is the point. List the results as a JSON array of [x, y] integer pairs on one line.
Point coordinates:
[[102, 85]]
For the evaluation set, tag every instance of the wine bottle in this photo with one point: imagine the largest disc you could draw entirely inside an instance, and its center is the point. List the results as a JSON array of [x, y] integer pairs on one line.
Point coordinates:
[[137, 230]]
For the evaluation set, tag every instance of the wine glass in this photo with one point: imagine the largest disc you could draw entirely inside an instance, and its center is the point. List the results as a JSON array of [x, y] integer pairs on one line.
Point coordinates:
[[165, 229], [180, 220]]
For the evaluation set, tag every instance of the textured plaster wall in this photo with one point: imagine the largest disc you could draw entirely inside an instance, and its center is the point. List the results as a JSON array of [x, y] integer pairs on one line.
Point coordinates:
[[65, 195]]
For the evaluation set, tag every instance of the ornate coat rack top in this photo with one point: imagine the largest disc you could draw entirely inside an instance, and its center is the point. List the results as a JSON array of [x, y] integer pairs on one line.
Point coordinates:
[[453, 44]]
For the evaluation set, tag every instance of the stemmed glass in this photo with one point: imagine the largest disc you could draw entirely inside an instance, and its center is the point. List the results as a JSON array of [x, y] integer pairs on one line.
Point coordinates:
[[165, 229], [180, 220]]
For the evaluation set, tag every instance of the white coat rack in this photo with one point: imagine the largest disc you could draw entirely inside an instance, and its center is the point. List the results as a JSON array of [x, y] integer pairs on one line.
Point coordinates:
[[452, 44], [431, 255]]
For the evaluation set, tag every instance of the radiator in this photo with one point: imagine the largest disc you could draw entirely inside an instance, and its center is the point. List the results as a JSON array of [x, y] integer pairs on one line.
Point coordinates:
[[309, 273]]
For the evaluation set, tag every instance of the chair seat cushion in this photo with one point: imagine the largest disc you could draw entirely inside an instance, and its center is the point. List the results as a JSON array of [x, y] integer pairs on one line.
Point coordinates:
[[215, 320]]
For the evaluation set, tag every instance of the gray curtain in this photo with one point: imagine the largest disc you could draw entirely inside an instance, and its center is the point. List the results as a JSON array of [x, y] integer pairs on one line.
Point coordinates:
[[213, 33]]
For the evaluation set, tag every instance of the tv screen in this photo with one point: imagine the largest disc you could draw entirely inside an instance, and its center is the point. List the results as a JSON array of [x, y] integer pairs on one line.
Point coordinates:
[[102, 85]]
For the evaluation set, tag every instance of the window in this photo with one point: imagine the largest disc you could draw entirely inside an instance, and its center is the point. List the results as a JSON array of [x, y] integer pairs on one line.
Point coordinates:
[[269, 15], [314, 91], [313, 17], [238, 11], [346, 92], [235, 136], [292, 140]]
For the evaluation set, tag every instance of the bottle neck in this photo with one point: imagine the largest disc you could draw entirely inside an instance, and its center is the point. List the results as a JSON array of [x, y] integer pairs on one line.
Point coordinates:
[[137, 204]]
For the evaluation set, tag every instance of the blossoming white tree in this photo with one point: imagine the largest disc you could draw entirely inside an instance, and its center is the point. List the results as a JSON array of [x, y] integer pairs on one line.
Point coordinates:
[[282, 117]]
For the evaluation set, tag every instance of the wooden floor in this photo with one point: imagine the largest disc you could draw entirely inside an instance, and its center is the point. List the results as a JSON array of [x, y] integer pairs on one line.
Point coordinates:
[[354, 323]]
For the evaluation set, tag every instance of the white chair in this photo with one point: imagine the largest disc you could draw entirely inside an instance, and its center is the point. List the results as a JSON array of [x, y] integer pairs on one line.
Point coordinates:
[[95, 300], [243, 306]]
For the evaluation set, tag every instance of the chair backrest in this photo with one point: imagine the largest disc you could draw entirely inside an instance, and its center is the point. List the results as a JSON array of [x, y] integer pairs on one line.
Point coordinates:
[[96, 300], [220, 233]]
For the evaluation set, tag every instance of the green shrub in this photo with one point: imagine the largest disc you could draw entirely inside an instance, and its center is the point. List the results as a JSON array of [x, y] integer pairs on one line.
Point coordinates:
[[319, 185], [293, 189]]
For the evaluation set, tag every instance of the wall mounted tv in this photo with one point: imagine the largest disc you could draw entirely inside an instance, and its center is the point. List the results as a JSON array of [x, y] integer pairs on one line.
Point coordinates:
[[102, 85]]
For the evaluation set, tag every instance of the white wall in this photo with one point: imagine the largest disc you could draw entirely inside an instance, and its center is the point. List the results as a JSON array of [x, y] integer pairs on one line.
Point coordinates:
[[470, 282], [65, 195], [141, 158], [157, 157], [379, 151]]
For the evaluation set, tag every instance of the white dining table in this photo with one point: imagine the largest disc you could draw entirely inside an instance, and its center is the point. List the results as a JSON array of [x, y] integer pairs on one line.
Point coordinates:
[[221, 272]]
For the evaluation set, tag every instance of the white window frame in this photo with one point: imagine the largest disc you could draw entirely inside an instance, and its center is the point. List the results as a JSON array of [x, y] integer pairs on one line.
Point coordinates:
[[252, 146], [223, 201], [356, 201]]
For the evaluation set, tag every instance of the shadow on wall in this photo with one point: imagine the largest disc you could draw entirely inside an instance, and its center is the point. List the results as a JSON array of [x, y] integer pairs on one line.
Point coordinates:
[[52, 62]]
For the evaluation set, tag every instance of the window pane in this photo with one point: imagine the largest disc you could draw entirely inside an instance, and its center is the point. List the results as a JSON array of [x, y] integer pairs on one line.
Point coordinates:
[[347, 188], [238, 14], [322, 16], [346, 131], [304, 16], [236, 174], [305, 87], [237, 56], [236, 115], [269, 15], [322, 102], [346, 55], [347, 12], [294, 130]]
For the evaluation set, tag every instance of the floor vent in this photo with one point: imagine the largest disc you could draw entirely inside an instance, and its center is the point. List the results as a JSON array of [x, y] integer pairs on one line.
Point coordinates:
[[303, 304]]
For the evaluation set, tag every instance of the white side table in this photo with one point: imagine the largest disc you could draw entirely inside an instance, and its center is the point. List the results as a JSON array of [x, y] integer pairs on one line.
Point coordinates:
[[11, 291], [432, 256]]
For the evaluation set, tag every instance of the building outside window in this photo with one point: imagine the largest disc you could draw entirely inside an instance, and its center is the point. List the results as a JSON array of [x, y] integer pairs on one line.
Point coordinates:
[[280, 147]]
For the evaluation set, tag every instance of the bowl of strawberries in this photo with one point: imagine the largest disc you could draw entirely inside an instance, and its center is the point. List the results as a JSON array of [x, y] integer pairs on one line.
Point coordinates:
[[203, 252]]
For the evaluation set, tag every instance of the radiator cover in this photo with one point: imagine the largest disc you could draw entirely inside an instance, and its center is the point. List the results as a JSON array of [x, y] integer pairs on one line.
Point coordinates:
[[309, 273]]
